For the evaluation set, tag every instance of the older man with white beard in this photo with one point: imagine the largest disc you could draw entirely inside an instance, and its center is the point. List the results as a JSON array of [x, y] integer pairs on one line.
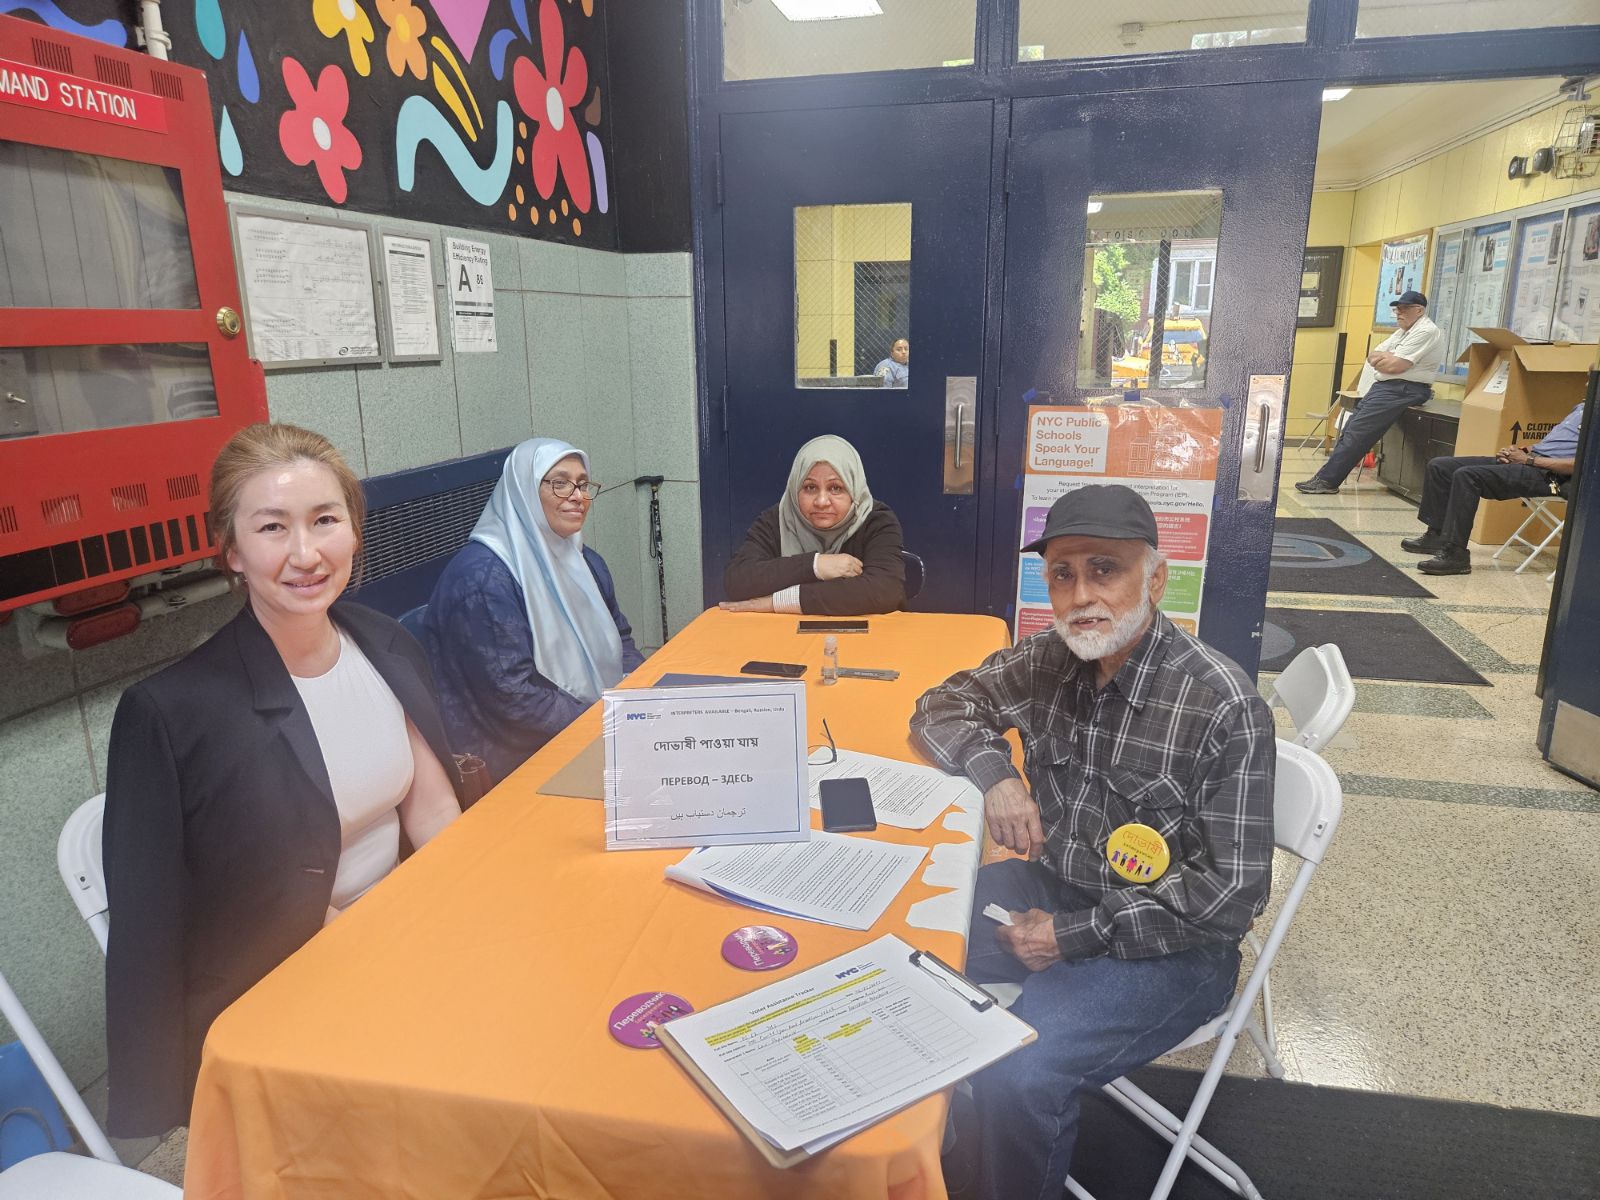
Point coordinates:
[[1145, 839]]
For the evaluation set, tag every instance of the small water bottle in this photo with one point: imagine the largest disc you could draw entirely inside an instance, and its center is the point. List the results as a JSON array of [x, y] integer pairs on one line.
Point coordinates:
[[830, 660]]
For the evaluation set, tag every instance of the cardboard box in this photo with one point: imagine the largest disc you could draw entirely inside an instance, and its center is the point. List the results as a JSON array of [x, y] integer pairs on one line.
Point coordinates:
[[1516, 391]]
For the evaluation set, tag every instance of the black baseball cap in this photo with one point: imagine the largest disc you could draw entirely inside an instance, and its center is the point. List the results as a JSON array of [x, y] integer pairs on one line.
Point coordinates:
[[1411, 296], [1105, 510]]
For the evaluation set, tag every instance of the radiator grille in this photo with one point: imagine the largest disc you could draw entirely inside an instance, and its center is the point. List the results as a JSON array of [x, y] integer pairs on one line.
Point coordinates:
[[52, 56], [129, 496], [62, 510], [183, 487], [403, 535], [166, 85], [113, 71]]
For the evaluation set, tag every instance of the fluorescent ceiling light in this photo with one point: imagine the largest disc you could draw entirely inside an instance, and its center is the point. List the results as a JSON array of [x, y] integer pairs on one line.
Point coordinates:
[[1331, 94], [1094, 207], [827, 10]]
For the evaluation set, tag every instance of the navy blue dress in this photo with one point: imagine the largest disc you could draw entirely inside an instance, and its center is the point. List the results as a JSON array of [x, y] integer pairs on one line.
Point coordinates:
[[494, 702]]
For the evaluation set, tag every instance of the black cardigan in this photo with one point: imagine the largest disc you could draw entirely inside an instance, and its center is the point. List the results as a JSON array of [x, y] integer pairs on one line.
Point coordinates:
[[220, 844], [759, 569]]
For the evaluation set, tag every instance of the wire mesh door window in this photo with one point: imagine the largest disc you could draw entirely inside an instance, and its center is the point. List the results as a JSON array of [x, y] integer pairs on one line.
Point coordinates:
[[1405, 18], [852, 295], [1149, 285], [771, 39], [1050, 29]]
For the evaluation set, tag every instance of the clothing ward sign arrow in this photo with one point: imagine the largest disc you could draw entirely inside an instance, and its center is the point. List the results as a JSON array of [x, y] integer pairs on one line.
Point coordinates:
[[1516, 431]]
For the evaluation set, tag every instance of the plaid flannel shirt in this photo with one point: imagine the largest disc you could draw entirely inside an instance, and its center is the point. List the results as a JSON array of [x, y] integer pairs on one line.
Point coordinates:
[[1178, 740]]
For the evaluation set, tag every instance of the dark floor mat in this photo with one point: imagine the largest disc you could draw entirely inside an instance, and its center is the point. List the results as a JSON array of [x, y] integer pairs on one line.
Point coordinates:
[[1313, 554], [1300, 1142], [1375, 645]]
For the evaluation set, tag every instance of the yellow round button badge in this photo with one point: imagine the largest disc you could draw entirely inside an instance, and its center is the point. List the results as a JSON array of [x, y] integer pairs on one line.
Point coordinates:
[[1137, 852]]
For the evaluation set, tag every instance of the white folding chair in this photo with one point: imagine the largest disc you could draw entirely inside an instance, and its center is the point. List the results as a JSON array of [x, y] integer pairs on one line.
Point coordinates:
[[1307, 801], [1317, 690], [59, 1175], [1542, 517], [78, 859]]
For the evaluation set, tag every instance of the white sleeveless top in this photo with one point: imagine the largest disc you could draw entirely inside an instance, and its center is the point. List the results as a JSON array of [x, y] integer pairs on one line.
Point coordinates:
[[361, 729]]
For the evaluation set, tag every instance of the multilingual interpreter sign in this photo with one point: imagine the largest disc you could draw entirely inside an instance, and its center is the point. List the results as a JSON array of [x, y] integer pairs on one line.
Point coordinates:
[[706, 766]]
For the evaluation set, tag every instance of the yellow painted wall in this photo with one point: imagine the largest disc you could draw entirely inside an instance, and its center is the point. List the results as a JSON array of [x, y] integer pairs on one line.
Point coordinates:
[[1463, 184], [1311, 379], [829, 241]]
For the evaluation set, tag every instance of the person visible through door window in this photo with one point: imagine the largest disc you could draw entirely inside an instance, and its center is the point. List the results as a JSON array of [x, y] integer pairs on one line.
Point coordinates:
[[523, 627], [895, 371], [1398, 376], [827, 547]]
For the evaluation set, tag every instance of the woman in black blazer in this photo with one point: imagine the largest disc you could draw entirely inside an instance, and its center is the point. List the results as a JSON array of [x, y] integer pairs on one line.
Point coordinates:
[[234, 784]]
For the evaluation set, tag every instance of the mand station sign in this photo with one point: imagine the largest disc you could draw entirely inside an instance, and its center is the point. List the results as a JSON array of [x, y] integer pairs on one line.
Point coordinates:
[[51, 91]]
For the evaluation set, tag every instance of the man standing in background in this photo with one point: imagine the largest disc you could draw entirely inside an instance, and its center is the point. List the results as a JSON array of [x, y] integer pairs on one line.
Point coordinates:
[[1398, 375]]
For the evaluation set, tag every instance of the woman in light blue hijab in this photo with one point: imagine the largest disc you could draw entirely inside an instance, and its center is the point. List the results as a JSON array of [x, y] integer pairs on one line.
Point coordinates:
[[523, 630]]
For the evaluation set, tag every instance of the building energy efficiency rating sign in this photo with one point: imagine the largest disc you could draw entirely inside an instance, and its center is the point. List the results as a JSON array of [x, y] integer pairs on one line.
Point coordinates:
[[1168, 455]]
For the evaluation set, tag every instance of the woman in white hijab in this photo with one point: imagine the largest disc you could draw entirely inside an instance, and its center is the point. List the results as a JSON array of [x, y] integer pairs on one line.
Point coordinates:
[[523, 629], [827, 547]]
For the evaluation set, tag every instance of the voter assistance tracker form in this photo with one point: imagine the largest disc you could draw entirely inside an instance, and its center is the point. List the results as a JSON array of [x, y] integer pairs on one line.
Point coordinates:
[[817, 1056]]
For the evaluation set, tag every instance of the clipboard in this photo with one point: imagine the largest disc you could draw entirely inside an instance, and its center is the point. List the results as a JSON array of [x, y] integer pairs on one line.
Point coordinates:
[[979, 999]]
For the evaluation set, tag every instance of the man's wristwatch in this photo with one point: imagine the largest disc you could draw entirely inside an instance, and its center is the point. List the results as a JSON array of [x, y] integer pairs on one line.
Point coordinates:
[[1531, 459]]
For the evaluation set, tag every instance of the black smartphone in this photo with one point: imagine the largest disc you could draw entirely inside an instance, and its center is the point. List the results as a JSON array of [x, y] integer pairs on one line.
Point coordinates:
[[847, 806], [785, 670], [833, 626]]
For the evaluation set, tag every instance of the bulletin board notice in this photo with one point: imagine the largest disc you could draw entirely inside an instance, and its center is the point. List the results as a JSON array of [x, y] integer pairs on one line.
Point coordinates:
[[308, 289]]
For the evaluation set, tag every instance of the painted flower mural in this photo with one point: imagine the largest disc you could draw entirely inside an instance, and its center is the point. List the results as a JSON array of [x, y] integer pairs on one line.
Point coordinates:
[[407, 24], [549, 98], [335, 17], [489, 114], [313, 131]]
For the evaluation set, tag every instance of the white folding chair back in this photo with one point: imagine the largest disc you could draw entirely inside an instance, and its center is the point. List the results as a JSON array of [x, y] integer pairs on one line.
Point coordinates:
[[1543, 518], [1317, 690], [60, 1176], [78, 859], [1307, 805], [55, 1078]]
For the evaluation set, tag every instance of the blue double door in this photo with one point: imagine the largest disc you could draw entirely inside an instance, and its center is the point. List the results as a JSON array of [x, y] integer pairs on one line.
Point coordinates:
[[998, 193]]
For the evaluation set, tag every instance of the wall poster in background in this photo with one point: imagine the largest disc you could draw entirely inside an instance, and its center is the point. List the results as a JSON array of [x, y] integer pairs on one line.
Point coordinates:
[[1400, 269], [1577, 316], [408, 292], [1445, 295], [1487, 256], [1168, 455], [1319, 287], [1533, 290]]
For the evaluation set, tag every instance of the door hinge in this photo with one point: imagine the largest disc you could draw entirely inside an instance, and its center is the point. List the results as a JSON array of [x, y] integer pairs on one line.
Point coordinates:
[[724, 411], [716, 185]]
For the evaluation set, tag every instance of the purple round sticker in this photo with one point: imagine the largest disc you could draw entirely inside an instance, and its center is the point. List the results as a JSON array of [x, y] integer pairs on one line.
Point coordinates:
[[759, 947], [634, 1021]]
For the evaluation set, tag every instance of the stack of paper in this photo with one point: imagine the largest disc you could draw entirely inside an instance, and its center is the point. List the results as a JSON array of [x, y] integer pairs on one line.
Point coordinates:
[[835, 879], [905, 795], [809, 1060]]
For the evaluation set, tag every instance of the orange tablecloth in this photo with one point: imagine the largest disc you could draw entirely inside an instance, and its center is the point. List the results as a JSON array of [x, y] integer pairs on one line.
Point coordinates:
[[446, 1038]]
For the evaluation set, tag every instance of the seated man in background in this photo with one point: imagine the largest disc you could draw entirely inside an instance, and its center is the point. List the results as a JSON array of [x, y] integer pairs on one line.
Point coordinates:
[[1131, 729], [1398, 375], [1455, 485]]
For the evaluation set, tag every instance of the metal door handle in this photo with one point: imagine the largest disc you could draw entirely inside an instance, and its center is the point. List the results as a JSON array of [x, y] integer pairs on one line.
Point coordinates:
[[1263, 423], [960, 395]]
